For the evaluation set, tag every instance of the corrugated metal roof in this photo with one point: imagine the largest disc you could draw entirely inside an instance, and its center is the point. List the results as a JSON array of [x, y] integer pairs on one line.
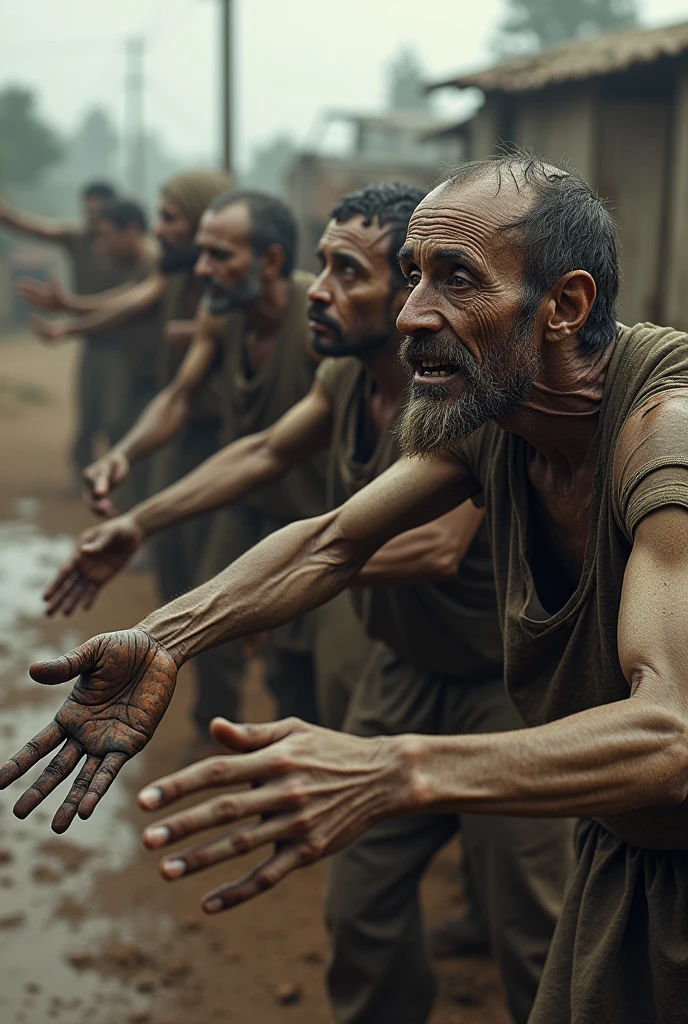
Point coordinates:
[[577, 59]]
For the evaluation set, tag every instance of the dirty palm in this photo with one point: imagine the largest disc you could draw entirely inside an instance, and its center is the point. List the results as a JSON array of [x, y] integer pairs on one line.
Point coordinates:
[[125, 683]]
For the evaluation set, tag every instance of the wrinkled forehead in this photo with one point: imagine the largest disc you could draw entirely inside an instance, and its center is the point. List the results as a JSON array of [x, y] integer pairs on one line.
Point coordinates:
[[469, 216], [356, 237]]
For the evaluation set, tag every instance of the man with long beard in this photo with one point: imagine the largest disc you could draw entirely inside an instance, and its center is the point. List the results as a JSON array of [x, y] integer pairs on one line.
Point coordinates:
[[583, 464], [442, 672]]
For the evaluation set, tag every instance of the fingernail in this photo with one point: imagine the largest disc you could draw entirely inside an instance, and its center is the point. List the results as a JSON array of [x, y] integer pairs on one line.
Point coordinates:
[[157, 835], [174, 868], [150, 797], [212, 905]]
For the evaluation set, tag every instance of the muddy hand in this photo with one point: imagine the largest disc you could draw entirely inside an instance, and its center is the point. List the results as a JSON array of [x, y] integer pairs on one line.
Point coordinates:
[[102, 551], [101, 477], [125, 683], [312, 790]]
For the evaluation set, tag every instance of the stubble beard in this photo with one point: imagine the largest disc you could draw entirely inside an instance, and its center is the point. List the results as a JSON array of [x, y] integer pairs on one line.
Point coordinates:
[[433, 420]]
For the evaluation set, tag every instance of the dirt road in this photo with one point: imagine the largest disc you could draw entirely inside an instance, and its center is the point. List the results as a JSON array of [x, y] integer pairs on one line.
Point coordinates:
[[89, 934]]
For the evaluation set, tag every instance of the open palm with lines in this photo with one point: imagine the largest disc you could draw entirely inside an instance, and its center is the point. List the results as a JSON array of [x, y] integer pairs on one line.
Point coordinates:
[[125, 683]]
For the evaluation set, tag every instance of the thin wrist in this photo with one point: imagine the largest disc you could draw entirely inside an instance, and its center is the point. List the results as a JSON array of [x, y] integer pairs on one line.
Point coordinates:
[[164, 634], [409, 756]]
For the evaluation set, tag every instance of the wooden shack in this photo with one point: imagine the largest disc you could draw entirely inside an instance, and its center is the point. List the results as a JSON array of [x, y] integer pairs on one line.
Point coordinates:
[[614, 106]]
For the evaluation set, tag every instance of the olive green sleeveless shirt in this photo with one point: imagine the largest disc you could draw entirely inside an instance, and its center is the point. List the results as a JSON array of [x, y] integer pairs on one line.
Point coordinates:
[[562, 661], [252, 404], [450, 628]]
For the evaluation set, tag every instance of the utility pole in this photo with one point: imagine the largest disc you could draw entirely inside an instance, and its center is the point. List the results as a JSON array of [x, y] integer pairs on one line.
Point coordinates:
[[133, 117], [226, 105]]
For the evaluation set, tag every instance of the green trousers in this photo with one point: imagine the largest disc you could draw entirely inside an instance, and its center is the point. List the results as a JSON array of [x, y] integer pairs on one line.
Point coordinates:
[[380, 971]]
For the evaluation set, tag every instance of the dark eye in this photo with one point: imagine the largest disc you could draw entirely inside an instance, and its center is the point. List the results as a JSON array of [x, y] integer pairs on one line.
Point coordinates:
[[460, 280], [348, 274], [413, 278]]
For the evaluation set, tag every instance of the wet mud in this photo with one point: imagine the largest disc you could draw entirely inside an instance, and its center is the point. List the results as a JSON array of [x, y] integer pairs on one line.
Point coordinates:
[[89, 933]]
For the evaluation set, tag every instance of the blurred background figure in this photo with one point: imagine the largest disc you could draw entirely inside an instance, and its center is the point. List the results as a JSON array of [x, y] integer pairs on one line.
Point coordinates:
[[93, 270]]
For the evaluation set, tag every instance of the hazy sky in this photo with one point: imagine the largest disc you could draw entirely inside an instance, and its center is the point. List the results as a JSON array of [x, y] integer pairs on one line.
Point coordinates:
[[294, 57]]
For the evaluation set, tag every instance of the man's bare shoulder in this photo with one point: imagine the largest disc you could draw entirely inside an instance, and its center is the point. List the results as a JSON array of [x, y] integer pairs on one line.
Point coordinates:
[[652, 430]]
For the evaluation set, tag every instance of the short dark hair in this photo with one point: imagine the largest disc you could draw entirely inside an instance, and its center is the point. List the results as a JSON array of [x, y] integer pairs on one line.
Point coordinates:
[[98, 190], [566, 228], [122, 213], [391, 203], [272, 223]]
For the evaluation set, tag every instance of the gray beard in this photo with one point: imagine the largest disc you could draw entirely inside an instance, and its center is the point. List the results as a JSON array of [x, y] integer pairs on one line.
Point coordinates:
[[433, 422]]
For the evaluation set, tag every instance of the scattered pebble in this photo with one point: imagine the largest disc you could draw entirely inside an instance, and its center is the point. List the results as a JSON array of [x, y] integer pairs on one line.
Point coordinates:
[[5, 856], [124, 955], [146, 981], [288, 993], [33, 988], [45, 875], [190, 924], [81, 961], [12, 920], [176, 968]]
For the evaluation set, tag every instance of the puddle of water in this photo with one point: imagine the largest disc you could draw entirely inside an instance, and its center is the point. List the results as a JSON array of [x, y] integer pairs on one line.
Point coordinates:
[[36, 884]]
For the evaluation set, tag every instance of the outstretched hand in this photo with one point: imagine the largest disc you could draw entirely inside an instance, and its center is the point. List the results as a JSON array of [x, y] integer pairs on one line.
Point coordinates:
[[50, 331], [101, 552], [49, 298], [101, 477], [313, 790], [126, 681]]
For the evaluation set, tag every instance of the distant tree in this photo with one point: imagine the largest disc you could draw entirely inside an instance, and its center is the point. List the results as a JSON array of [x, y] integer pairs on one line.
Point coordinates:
[[93, 149], [532, 24], [405, 83], [270, 166], [28, 146]]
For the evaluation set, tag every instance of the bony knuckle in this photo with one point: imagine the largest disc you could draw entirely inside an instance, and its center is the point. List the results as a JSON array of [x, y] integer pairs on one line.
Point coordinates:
[[239, 844], [305, 821], [226, 806], [312, 848], [281, 763], [265, 878], [217, 768]]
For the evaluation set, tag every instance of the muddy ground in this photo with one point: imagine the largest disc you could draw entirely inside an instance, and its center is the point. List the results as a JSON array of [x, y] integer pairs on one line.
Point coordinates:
[[89, 933]]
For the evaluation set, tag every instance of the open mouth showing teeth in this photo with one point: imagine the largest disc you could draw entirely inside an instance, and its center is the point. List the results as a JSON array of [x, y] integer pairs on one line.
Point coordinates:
[[434, 368]]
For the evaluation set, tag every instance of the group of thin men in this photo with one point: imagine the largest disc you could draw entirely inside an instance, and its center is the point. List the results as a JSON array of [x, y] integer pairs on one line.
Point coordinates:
[[503, 502]]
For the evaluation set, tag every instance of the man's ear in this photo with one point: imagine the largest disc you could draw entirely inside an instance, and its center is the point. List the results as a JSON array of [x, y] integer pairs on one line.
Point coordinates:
[[568, 305], [272, 261]]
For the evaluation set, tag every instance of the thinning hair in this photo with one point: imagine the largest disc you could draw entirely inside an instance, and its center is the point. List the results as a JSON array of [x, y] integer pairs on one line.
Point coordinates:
[[389, 203], [272, 223], [122, 213], [567, 227]]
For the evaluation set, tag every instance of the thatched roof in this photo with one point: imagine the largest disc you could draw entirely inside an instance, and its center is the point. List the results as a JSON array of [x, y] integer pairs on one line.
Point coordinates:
[[577, 59]]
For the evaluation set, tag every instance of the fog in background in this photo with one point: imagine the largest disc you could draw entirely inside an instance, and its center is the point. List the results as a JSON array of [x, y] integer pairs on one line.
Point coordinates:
[[294, 58]]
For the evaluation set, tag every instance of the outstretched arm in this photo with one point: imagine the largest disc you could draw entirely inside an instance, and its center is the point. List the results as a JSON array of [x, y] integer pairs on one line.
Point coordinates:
[[159, 422], [123, 305], [239, 469], [48, 229], [429, 554], [313, 791], [309, 562], [52, 297], [289, 572]]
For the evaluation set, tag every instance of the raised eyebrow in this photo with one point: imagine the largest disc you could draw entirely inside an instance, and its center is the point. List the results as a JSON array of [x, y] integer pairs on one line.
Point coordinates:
[[460, 255], [345, 257], [405, 253]]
